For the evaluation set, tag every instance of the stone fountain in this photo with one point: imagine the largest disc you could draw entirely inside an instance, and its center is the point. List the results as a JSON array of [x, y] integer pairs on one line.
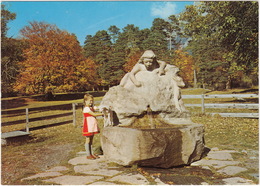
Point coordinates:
[[145, 120]]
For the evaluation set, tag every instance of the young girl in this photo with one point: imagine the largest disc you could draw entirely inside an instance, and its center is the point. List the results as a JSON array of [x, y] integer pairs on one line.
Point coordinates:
[[90, 125]]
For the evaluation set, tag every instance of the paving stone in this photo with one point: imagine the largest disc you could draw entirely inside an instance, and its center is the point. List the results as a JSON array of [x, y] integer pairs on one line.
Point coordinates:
[[231, 170], [229, 151], [204, 183], [82, 153], [219, 155], [252, 163], [182, 180], [104, 183], [158, 181], [237, 181], [42, 175], [187, 170], [214, 163], [206, 167], [92, 166], [73, 180], [133, 179], [255, 175], [83, 160], [217, 149], [214, 149], [57, 168], [96, 169]]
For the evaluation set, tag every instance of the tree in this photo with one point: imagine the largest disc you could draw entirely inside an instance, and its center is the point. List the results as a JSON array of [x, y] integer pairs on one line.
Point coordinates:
[[132, 60], [157, 42], [98, 48], [130, 39], [87, 75], [173, 31], [113, 32], [228, 31], [6, 16], [11, 54], [51, 60], [184, 62], [157, 39]]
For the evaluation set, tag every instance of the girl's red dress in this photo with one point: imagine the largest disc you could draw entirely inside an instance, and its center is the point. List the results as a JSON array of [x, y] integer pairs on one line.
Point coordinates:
[[90, 126]]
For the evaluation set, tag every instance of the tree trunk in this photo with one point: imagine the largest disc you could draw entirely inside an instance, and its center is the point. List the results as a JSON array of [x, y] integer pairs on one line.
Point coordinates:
[[195, 79], [228, 83]]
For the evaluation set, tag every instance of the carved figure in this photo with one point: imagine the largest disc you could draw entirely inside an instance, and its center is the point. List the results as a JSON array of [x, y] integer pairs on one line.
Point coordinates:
[[108, 116], [147, 62], [151, 82], [177, 84]]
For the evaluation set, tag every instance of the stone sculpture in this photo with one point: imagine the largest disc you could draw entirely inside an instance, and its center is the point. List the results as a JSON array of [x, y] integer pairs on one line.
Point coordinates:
[[151, 89], [151, 83]]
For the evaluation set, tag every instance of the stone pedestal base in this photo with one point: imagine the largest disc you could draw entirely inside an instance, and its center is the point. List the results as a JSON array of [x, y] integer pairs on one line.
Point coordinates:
[[162, 147]]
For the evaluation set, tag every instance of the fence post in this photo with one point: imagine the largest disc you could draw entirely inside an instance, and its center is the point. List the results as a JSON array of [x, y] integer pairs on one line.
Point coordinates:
[[74, 113], [27, 119], [202, 104]]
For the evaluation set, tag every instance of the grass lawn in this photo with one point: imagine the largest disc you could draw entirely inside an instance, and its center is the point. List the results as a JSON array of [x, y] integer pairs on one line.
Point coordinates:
[[57, 144]]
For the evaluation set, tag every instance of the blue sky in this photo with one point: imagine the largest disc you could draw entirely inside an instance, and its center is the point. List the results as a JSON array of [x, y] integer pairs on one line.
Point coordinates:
[[87, 17]]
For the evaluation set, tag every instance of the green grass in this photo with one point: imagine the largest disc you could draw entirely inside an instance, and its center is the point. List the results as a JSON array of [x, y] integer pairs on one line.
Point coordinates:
[[229, 133], [25, 158]]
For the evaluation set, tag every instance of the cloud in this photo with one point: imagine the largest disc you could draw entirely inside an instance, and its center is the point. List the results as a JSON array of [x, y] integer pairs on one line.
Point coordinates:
[[163, 9]]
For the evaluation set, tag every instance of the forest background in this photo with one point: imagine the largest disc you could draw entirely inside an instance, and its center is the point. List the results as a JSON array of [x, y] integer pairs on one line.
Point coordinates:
[[215, 45]]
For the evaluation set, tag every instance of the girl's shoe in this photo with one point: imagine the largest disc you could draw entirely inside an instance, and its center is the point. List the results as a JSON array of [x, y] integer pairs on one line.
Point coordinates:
[[91, 157], [95, 156]]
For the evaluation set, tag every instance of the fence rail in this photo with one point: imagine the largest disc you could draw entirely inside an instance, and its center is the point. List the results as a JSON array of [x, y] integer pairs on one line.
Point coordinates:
[[204, 105], [28, 119], [73, 107], [220, 96], [226, 105], [237, 115]]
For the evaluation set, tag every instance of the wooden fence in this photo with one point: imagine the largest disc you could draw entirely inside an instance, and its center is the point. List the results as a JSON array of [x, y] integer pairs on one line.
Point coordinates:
[[73, 107], [71, 112], [204, 105]]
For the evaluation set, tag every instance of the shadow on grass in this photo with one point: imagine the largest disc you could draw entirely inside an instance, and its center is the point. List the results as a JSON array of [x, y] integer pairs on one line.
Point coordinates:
[[249, 100], [18, 112], [255, 91], [13, 103], [16, 141], [35, 119], [51, 125], [68, 96], [21, 101]]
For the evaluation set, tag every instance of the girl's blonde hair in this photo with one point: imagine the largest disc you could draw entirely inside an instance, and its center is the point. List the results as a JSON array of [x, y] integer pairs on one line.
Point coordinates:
[[87, 97]]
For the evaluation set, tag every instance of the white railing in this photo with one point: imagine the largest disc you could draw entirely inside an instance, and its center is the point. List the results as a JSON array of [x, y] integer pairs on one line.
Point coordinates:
[[204, 105]]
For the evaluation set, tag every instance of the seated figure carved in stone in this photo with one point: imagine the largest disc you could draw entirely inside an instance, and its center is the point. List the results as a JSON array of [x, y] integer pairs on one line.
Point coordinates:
[[177, 84], [147, 62], [151, 83]]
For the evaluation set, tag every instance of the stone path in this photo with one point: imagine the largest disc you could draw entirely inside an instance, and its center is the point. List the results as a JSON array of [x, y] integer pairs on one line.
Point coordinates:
[[218, 168]]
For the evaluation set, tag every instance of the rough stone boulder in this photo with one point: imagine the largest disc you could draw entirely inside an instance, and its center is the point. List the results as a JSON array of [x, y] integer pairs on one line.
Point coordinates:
[[159, 93], [161, 147]]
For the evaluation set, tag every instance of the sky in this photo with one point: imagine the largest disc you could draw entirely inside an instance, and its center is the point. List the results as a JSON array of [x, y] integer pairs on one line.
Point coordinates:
[[84, 18]]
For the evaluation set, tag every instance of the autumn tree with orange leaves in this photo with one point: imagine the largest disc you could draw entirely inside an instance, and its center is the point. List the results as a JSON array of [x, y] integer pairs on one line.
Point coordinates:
[[54, 59], [131, 61], [185, 63]]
